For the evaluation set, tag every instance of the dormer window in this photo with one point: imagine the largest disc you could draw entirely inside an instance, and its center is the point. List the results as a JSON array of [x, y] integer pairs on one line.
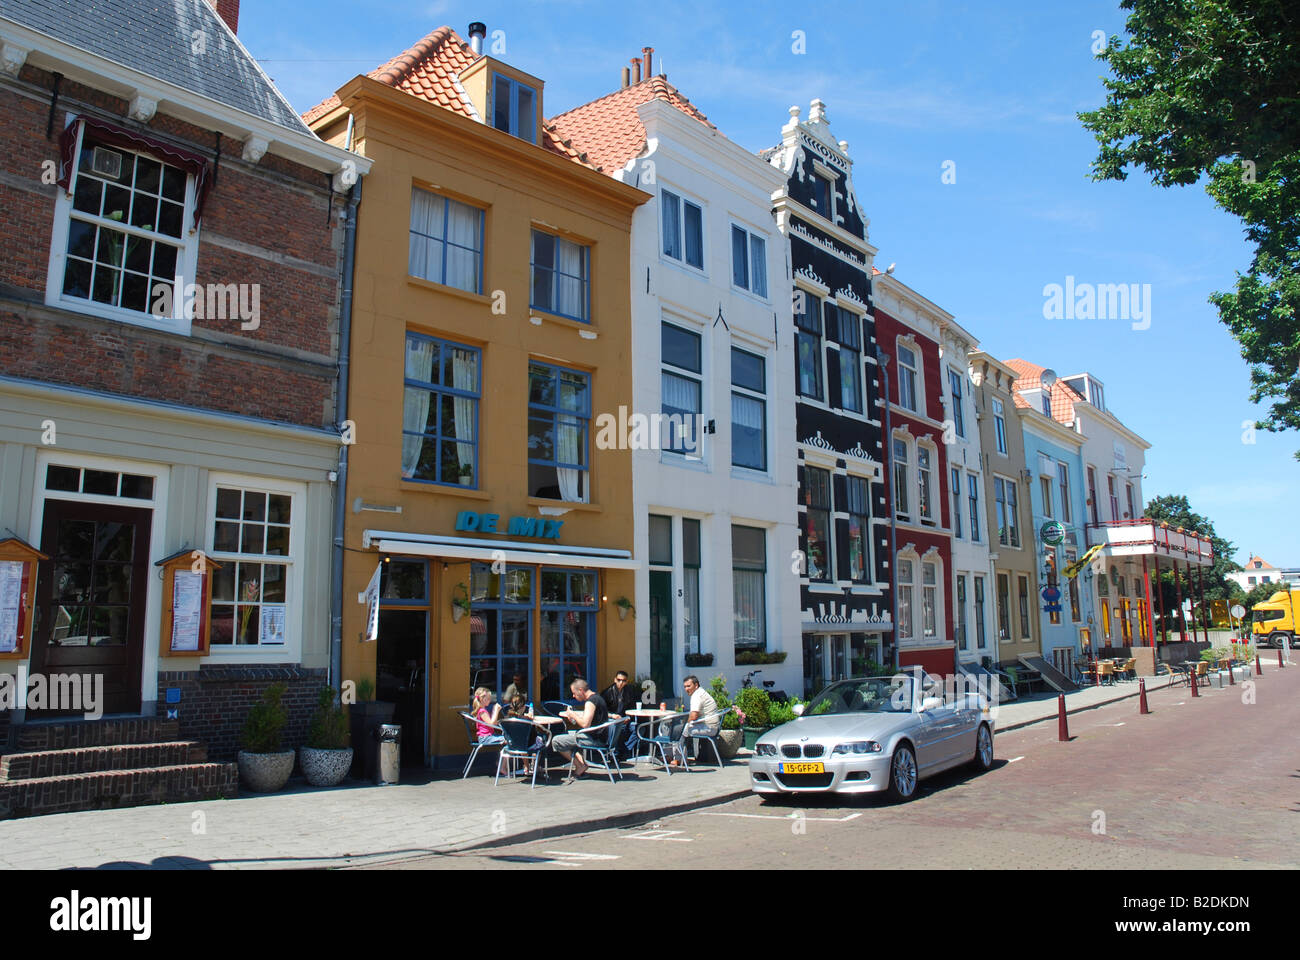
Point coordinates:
[[821, 195], [514, 108]]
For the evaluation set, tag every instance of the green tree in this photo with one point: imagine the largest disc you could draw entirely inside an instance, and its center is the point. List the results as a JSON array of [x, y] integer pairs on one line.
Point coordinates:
[[1176, 511], [1258, 594], [1211, 89]]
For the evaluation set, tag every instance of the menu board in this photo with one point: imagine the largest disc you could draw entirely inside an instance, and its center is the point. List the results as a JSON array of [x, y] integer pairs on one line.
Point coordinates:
[[11, 603], [272, 624], [187, 610]]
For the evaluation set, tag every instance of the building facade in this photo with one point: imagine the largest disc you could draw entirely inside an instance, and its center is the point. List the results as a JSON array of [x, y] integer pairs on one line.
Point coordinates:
[[168, 361], [1011, 535], [844, 564], [491, 341], [714, 486]]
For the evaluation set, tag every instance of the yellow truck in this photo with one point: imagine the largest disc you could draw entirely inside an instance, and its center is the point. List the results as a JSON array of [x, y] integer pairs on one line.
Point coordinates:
[[1274, 620]]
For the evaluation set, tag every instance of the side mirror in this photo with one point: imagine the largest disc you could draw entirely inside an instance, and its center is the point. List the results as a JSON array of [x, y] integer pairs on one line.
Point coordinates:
[[798, 709], [931, 703]]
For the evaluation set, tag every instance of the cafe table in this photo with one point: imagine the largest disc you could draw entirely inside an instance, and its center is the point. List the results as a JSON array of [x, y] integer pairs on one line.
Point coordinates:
[[648, 715]]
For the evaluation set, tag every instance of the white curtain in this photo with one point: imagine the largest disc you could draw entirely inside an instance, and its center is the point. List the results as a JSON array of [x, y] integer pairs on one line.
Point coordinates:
[[750, 604], [569, 294], [758, 257], [420, 355], [568, 440], [747, 430], [426, 221], [464, 376], [462, 232]]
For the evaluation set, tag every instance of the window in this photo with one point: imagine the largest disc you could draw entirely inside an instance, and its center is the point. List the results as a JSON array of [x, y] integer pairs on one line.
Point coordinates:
[[680, 383], [1114, 498], [906, 378], [858, 490], [817, 542], [1063, 472], [561, 277], [901, 510], [446, 241], [126, 233], [1008, 512], [981, 641], [559, 417], [929, 600], [905, 588], [1045, 401], [748, 261], [955, 485], [683, 230], [1251, 580], [1022, 590], [923, 478], [501, 630], [749, 564], [1132, 510], [1070, 557], [691, 574], [961, 611], [1004, 607], [748, 410], [850, 340], [1045, 485], [252, 540], [1092, 494], [973, 484], [440, 408], [1052, 581], [808, 344], [999, 426], [822, 191], [514, 108], [103, 483], [959, 421], [568, 623]]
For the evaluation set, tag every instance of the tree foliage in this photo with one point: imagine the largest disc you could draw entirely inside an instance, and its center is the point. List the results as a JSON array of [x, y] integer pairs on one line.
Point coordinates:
[[1211, 88], [1176, 511]]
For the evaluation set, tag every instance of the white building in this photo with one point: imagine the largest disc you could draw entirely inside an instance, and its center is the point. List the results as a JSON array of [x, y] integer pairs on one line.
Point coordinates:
[[1258, 570], [715, 504]]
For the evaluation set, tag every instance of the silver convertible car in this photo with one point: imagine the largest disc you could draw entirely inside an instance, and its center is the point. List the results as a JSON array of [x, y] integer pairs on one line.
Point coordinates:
[[874, 734]]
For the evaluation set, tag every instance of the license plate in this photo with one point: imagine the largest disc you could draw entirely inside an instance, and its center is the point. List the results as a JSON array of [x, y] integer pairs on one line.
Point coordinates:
[[802, 768]]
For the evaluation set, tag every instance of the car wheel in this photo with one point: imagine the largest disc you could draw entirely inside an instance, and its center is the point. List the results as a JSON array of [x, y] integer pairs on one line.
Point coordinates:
[[902, 774], [984, 748]]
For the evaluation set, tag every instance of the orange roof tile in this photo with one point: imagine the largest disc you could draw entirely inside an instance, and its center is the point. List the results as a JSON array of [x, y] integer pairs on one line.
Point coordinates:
[[431, 71], [1029, 378], [609, 131]]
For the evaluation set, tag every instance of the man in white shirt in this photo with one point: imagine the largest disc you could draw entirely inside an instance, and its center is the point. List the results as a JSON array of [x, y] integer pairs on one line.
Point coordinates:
[[703, 720]]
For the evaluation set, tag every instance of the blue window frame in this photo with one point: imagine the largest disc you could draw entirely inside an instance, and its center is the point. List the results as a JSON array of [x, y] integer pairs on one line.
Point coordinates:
[[501, 626], [568, 625], [440, 411], [446, 241], [514, 108], [559, 422], [561, 277]]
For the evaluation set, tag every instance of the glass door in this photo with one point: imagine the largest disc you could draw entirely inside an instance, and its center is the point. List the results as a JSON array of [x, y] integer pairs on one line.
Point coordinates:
[[661, 633]]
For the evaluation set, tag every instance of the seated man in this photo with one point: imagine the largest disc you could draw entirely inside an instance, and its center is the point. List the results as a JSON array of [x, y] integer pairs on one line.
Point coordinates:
[[703, 719], [593, 713], [620, 697]]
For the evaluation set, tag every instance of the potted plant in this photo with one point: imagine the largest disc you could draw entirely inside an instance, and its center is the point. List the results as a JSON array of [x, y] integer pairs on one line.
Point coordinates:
[[363, 716], [755, 705], [326, 757], [699, 659], [467, 475], [732, 737], [459, 602], [263, 766], [624, 607]]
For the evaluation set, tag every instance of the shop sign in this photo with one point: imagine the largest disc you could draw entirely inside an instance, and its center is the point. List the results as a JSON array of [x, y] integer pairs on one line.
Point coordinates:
[[1052, 533], [542, 529]]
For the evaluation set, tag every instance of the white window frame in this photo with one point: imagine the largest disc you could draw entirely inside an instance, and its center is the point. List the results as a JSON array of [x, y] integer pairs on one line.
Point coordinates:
[[960, 597], [930, 519], [749, 393], [294, 598], [682, 200], [668, 368], [979, 599], [750, 235], [1063, 480], [907, 587], [999, 426], [955, 379], [186, 259], [974, 505], [954, 485], [827, 173], [916, 369], [905, 515], [1010, 511], [930, 635]]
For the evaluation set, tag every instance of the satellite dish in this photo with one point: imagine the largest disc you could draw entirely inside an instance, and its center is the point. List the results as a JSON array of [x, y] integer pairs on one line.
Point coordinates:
[[1047, 379]]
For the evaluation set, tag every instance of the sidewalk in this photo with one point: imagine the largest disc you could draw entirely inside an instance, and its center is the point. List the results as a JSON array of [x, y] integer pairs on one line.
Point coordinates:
[[303, 827]]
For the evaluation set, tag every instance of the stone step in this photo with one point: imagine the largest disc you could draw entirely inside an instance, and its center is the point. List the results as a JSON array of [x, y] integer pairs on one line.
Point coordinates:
[[71, 734], [43, 764], [118, 788]]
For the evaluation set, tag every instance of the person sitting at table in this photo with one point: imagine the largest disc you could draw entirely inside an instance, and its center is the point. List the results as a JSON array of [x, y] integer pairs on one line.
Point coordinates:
[[620, 697], [592, 712], [703, 720], [518, 685], [487, 714], [518, 710]]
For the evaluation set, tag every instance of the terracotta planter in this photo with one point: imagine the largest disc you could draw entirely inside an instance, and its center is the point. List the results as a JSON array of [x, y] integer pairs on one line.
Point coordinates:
[[265, 772], [325, 768], [730, 742]]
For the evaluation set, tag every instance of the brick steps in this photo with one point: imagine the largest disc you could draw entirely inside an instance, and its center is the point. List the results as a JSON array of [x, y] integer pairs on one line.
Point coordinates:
[[107, 789], [59, 763], [33, 737]]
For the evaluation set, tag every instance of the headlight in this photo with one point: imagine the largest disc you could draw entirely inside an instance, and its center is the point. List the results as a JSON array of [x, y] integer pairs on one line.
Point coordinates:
[[857, 746], [765, 750]]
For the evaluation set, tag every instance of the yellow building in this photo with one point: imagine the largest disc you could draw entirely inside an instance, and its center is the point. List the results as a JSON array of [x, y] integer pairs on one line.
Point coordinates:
[[490, 329]]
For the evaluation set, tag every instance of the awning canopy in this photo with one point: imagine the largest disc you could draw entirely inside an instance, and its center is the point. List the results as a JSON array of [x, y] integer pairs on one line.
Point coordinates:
[[511, 551]]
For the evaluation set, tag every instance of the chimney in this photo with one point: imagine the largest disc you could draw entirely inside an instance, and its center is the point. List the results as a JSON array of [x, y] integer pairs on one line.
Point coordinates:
[[627, 73], [649, 61], [636, 69], [477, 31], [227, 10]]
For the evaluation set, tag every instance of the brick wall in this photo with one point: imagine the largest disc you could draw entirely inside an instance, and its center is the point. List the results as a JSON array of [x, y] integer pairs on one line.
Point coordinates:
[[216, 699], [263, 224]]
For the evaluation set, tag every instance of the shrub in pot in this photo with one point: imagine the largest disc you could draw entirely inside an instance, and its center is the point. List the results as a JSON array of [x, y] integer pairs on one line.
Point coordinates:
[[326, 757], [699, 659], [263, 766]]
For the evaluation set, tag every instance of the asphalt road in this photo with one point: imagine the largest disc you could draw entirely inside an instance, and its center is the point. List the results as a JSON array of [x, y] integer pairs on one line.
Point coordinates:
[[1208, 783]]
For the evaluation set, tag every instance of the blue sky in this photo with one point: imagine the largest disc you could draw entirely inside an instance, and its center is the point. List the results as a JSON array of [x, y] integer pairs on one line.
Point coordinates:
[[991, 87]]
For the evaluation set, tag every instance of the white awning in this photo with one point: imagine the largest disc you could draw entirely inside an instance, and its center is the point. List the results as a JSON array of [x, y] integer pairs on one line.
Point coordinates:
[[511, 551]]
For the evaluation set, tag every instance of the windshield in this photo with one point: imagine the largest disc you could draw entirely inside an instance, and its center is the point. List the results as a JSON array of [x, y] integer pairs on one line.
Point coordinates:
[[1262, 615], [874, 695]]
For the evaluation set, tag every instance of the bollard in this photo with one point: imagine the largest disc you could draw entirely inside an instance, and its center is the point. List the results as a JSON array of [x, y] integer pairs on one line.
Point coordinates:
[[1062, 728], [1195, 691], [1279, 657], [1142, 697], [1232, 665], [1259, 671]]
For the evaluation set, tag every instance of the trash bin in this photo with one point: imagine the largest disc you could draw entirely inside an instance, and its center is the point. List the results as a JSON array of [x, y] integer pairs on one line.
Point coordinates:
[[389, 741]]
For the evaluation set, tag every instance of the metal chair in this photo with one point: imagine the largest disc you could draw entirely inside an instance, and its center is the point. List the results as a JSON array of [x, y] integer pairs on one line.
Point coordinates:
[[553, 708], [602, 746], [471, 730], [1105, 672], [712, 738], [522, 744], [670, 731]]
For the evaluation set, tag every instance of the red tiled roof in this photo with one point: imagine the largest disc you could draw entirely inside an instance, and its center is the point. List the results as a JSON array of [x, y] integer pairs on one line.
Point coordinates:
[[609, 131], [1029, 378], [431, 71]]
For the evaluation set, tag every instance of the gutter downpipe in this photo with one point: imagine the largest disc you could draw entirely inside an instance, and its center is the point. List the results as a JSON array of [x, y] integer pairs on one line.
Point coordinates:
[[341, 484], [882, 359]]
